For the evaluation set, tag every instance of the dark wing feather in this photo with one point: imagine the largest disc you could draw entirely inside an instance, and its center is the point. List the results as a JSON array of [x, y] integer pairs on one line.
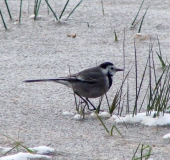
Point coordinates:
[[90, 75]]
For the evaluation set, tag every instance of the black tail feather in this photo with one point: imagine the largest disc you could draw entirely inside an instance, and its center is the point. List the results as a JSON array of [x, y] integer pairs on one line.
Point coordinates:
[[41, 80]]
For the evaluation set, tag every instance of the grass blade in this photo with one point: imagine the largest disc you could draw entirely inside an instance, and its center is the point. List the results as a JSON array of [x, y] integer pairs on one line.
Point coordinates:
[[161, 60], [117, 99], [159, 45], [140, 86], [123, 99], [37, 4], [143, 155], [74, 9], [8, 9], [115, 103], [144, 98], [116, 39], [162, 101], [48, 9], [9, 151], [102, 123], [51, 10], [63, 9], [111, 132], [136, 151], [124, 38], [3, 20], [77, 107], [17, 143], [137, 13], [102, 7], [150, 83], [35, 9], [160, 54], [136, 82], [100, 102], [127, 104], [107, 101], [142, 20], [155, 94], [153, 64], [38, 7], [20, 11], [27, 149]]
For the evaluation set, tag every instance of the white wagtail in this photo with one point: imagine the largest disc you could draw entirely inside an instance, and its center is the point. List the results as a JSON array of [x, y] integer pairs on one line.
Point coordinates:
[[89, 83]]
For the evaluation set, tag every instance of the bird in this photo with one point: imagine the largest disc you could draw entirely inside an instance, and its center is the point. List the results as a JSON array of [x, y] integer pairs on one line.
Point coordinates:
[[89, 83]]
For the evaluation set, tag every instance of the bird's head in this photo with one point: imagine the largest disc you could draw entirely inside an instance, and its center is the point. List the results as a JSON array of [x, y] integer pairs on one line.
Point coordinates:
[[108, 68]]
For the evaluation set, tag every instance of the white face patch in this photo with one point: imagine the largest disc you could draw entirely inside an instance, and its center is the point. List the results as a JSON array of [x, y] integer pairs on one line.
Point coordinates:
[[111, 69], [105, 71]]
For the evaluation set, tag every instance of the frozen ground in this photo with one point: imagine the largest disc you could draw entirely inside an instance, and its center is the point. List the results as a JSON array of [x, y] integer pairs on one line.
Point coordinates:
[[41, 49]]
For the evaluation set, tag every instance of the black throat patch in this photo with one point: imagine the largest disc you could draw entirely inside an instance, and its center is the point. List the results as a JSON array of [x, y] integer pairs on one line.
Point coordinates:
[[110, 79]]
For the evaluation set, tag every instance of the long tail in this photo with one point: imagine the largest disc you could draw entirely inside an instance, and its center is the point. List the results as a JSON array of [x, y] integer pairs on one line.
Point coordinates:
[[42, 80]]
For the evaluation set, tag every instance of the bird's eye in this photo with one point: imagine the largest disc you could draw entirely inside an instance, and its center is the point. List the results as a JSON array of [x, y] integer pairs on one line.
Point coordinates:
[[111, 68]]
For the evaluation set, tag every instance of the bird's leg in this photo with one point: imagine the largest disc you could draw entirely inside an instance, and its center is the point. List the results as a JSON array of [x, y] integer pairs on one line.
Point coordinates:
[[86, 102], [94, 108], [98, 108], [80, 103]]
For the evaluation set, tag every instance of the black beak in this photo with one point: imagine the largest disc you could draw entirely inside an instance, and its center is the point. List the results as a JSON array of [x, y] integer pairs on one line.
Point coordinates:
[[117, 69]]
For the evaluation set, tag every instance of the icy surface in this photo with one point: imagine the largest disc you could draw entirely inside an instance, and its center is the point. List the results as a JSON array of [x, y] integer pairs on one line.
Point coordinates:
[[67, 113], [4, 149], [143, 119], [167, 136], [101, 114], [24, 156], [78, 117], [43, 150]]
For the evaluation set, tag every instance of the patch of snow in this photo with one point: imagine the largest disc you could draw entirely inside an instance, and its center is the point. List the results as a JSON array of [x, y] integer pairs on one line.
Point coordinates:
[[43, 150], [167, 136], [33, 16], [24, 156], [16, 22], [78, 117], [4, 149], [104, 114], [93, 115], [68, 113], [101, 114], [143, 119]]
